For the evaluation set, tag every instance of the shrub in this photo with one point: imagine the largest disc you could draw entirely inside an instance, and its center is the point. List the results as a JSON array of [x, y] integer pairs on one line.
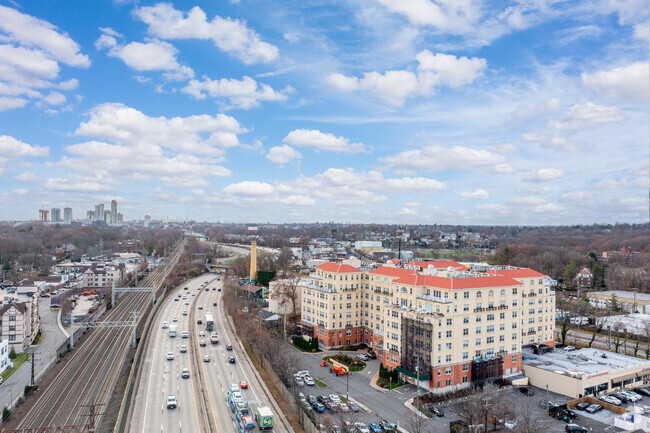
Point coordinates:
[[12, 354], [6, 413]]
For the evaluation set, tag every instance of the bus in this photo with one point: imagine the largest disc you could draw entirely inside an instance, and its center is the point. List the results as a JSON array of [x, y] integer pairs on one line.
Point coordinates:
[[209, 322]]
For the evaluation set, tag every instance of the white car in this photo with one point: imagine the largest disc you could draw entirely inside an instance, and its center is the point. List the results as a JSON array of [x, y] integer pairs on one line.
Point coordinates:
[[184, 312], [234, 388], [361, 427], [165, 325], [171, 402], [237, 397], [184, 296], [184, 334], [309, 381], [183, 349], [187, 303], [299, 381], [302, 373], [335, 398], [201, 334], [170, 356], [569, 349], [611, 400], [631, 395], [510, 425]]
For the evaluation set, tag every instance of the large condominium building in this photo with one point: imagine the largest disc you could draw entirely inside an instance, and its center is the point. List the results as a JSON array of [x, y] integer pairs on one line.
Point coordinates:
[[457, 326]]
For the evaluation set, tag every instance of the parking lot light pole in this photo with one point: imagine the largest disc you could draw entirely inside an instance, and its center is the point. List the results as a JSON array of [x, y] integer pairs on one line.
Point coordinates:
[[548, 405], [347, 386]]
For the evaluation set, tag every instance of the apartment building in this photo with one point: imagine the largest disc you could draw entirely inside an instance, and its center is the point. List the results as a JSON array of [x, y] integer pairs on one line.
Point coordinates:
[[19, 323], [454, 325], [103, 275]]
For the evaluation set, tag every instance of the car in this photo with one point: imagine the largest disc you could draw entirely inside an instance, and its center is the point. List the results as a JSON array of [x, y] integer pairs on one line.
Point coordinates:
[[165, 325], [184, 296], [361, 427], [594, 408], [171, 402], [219, 289], [237, 397], [344, 407], [387, 426], [174, 320], [183, 349], [631, 395], [353, 406], [575, 428], [188, 302], [306, 406], [510, 425], [372, 355], [570, 413], [202, 343], [319, 407], [309, 381], [302, 397], [526, 390], [200, 307], [186, 373], [234, 388], [231, 360], [643, 391], [436, 411], [312, 399], [547, 404], [243, 384], [214, 304], [323, 399], [569, 348], [199, 322], [582, 406], [170, 356], [335, 398], [374, 427], [184, 334], [361, 356], [187, 288], [299, 381], [332, 407], [302, 373], [201, 334], [621, 396], [228, 346], [611, 400], [206, 358], [177, 299]]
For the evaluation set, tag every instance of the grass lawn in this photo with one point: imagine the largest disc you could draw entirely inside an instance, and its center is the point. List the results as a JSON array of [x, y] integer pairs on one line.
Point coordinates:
[[18, 362], [350, 360], [319, 383], [386, 383]]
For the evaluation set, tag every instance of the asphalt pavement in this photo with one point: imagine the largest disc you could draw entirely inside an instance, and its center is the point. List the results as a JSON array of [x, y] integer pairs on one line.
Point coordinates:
[[52, 335]]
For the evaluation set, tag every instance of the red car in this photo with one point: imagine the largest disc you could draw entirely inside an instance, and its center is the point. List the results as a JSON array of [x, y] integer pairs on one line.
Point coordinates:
[[243, 384]]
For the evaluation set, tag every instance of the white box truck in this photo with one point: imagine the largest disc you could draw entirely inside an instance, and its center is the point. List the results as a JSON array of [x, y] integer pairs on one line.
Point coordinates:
[[172, 331]]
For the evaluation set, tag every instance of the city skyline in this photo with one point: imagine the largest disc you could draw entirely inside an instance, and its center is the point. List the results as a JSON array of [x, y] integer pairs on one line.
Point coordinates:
[[423, 112]]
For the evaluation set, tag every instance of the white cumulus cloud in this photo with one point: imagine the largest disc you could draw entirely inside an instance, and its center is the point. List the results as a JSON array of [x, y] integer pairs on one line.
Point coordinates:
[[581, 116], [229, 35], [627, 82], [544, 175], [322, 141], [433, 71], [244, 93], [435, 158], [249, 188], [282, 154], [478, 194]]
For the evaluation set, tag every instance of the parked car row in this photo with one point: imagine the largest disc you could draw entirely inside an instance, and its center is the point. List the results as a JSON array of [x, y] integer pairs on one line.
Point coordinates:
[[332, 403]]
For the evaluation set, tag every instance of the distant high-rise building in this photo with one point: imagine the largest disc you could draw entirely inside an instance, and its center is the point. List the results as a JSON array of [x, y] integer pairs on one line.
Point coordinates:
[[113, 211], [147, 220], [43, 214], [120, 217], [67, 214], [99, 211], [107, 216], [56, 215], [90, 214]]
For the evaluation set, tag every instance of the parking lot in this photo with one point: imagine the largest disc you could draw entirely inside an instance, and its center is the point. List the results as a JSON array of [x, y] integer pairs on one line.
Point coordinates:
[[390, 405]]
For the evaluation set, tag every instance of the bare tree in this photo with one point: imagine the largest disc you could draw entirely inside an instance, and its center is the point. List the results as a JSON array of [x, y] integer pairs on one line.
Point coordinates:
[[530, 419], [288, 292], [417, 422]]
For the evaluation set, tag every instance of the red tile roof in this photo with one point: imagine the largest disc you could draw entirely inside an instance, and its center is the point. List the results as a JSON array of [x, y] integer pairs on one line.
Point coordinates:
[[393, 272], [456, 283], [337, 267], [439, 264], [517, 273]]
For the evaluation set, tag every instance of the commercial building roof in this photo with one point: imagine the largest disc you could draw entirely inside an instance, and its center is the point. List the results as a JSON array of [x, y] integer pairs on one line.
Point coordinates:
[[584, 363], [623, 294], [337, 267], [438, 264], [393, 272]]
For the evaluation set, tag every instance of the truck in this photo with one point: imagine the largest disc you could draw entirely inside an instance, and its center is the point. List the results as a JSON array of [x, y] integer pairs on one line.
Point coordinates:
[[172, 331], [264, 417], [214, 338], [209, 322]]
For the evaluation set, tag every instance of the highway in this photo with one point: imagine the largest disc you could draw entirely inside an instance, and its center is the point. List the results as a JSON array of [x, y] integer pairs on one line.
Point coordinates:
[[91, 370], [209, 380]]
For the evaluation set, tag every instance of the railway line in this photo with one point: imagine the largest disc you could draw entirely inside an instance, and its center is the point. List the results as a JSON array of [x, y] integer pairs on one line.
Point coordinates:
[[95, 363]]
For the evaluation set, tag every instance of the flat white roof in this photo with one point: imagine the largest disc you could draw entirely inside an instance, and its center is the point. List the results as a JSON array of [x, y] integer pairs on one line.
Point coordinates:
[[584, 363], [623, 294]]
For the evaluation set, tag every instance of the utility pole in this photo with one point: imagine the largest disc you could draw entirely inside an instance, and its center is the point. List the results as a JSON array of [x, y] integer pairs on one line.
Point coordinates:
[[33, 364], [92, 414]]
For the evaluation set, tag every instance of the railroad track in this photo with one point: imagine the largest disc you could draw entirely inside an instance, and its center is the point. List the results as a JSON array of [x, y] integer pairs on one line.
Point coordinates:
[[92, 371]]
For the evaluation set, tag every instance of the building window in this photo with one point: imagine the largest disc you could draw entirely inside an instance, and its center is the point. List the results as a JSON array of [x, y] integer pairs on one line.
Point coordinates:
[[465, 356], [448, 382], [448, 334], [12, 318], [514, 358], [12, 338], [448, 370]]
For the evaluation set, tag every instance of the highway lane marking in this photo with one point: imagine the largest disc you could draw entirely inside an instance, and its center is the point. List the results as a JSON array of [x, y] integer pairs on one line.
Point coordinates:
[[151, 372]]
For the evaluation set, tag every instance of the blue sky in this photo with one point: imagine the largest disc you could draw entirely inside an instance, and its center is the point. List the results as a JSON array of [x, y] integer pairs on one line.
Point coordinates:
[[395, 111]]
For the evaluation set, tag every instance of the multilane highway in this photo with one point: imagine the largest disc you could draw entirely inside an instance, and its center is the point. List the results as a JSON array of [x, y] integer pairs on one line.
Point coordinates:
[[202, 397]]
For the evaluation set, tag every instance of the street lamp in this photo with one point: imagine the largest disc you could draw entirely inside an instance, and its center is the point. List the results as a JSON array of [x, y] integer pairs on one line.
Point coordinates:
[[548, 405]]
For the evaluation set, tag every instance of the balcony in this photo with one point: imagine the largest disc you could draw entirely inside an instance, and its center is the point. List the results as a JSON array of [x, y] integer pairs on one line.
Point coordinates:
[[531, 332], [502, 352], [320, 289], [434, 299], [552, 293], [316, 276]]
